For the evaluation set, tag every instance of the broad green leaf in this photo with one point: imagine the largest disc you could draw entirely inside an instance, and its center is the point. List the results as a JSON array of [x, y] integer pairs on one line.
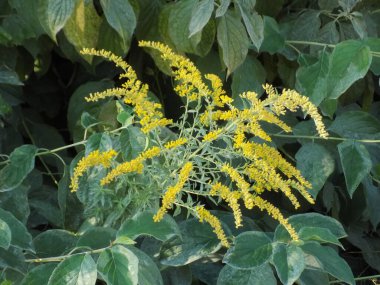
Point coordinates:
[[289, 263], [13, 258], [347, 5], [322, 235], [374, 45], [39, 275], [143, 224], [98, 141], [200, 16], [356, 163], [355, 125], [5, 235], [251, 249], [55, 242], [330, 261], [121, 17], [96, 237], [79, 269], [207, 272], [312, 79], [20, 237], [181, 275], [306, 26], [261, 275], [273, 39], [328, 34], [359, 24], [110, 40], [82, 28], [132, 142], [349, 62], [372, 196], [222, 9], [233, 41], [9, 76], [328, 4], [313, 277], [53, 15], [248, 77], [316, 165], [118, 266], [198, 240], [315, 220], [148, 271]]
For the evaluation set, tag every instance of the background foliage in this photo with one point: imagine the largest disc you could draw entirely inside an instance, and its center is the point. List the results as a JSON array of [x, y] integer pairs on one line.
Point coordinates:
[[328, 50]]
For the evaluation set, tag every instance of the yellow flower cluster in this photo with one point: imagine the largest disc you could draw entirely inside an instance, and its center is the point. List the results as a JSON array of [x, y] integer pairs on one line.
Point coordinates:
[[213, 135], [218, 95], [172, 191], [93, 159], [135, 165], [214, 222], [132, 91], [175, 143]]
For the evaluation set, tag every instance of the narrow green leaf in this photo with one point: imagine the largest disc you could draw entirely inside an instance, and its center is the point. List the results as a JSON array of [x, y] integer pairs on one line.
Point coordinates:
[[121, 17], [79, 269], [316, 165], [39, 275], [233, 41], [330, 261], [350, 61], [222, 9], [20, 235], [118, 266], [289, 263], [251, 249], [53, 15], [315, 220], [261, 275], [356, 163], [143, 224], [5, 235], [200, 16], [9, 76]]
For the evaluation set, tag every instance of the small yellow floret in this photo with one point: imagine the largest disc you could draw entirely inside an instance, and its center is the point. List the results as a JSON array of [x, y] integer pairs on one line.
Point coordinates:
[[175, 143]]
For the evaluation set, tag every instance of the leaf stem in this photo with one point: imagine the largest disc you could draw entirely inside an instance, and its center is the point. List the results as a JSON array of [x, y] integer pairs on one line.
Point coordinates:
[[357, 279], [320, 138]]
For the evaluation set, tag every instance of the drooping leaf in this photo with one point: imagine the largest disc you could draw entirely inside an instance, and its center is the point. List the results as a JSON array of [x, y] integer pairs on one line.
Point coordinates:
[[251, 249], [200, 16], [143, 224], [356, 163], [20, 237], [222, 9], [289, 263], [316, 165], [233, 40], [121, 17], [5, 235], [261, 275], [330, 261], [53, 15], [39, 275], [118, 266], [350, 61]]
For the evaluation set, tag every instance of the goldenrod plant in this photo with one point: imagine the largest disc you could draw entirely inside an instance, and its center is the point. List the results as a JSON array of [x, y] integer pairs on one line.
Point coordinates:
[[219, 152]]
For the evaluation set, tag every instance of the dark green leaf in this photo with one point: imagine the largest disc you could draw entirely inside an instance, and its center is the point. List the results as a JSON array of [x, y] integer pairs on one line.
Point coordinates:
[[52, 243], [356, 163], [251, 249], [372, 196], [118, 266], [177, 275], [233, 41], [222, 9], [261, 275], [148, 271], [313, 277], [330, 261], [143, 224], [207, 272], [306, 26], [96, 237], [132, 142], [349, 62], [5, 235], [53, 15], [20, 235], [120, 15], [78, 269], [8, 76], [355, 125], [289, 263], [273, 39], [110, 40], [12, 258], [328, 4], [374, 45], [98, 141], [322, 235], [39, 275], [316, 164], [310, 220], [359, 24], [200, 16]]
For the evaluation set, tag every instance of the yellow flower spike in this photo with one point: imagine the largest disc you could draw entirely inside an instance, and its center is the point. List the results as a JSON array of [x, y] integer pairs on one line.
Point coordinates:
[[205, 215], [213, 135], [93, 159], [175, 143], [150, 153], [219, 96], [106, 54], [172, 191]]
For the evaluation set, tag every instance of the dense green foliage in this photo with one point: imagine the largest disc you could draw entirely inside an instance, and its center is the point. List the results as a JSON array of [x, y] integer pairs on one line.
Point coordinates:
[[328, 50]]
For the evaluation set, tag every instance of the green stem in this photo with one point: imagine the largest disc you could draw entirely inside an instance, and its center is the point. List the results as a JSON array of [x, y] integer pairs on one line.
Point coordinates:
[[319, 138], [357, 279]]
